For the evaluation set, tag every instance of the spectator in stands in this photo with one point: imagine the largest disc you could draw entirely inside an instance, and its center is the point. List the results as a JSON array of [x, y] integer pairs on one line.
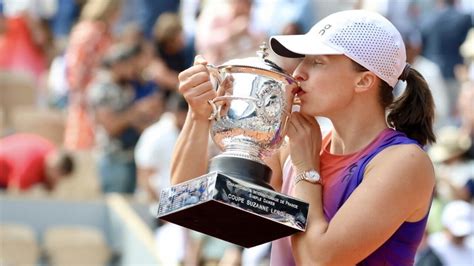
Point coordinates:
[[155, 146], [119, 118], [88, 42], [143, 84], [21, 46], [430, 71], [465, 75], [131, 34], [452, 170], [67, 13], [27, 160], [152, 9], [451, 245], [425, 256], [443, 33], [452, 167], [272, 17], [227, 34], [465, 192], [172, 54]]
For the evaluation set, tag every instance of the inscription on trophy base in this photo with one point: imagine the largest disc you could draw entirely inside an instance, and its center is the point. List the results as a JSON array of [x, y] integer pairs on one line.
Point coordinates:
[[232, 210]]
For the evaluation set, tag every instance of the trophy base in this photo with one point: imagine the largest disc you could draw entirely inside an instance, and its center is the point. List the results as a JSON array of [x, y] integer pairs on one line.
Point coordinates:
[[232, 210]]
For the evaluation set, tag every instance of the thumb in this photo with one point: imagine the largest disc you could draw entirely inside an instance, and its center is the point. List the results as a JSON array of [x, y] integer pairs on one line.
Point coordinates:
[[200, 60]]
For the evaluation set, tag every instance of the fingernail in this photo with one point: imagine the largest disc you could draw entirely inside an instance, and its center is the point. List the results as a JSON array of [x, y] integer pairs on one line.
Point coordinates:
[[199, 59], [295, 108]]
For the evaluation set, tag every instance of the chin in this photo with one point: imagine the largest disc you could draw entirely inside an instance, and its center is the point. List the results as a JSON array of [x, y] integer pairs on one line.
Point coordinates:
[[307, 110]]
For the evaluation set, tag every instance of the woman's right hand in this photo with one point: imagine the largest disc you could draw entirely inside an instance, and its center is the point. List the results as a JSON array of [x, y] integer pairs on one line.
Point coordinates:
[[196, 87]]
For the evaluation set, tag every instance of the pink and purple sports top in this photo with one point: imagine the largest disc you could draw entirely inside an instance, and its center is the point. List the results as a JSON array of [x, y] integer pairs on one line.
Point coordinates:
[[342, 174]]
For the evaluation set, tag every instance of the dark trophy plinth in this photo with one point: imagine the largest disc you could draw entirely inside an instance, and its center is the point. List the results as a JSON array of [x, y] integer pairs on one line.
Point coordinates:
[[233, 210]]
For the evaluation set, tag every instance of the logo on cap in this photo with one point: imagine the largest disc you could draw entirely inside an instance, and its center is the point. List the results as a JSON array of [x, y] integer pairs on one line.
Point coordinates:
[[323, 30]]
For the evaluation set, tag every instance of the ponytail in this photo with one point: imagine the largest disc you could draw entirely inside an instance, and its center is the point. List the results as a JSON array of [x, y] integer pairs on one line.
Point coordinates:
[[413, 112]]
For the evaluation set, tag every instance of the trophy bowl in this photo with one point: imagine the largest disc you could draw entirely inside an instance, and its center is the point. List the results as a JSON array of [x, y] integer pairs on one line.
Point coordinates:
[[250, 115], [234, 201]]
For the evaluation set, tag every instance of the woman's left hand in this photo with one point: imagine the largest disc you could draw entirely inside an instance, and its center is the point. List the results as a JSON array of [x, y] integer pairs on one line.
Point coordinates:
[[304, 134]]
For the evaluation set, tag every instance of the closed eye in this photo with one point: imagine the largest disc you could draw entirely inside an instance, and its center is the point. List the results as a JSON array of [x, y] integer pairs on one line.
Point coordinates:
[[317, 62]]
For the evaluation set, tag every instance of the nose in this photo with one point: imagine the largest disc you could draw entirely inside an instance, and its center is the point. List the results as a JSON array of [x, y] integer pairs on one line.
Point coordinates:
[[299, 74]]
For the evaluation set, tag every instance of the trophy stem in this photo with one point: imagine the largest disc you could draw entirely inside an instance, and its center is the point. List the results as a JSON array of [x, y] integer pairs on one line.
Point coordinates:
[[249, 151], [244, 169]]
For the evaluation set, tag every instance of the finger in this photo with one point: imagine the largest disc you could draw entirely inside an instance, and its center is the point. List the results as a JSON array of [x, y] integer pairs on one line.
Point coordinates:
[[204, 88], [202, 98], [183, 75], [310, 119], [193, 81], [226, 86], [291, 130], [315, 125], [294, 130], [297, 120], [205, 96], [230, 88], [200, 60]]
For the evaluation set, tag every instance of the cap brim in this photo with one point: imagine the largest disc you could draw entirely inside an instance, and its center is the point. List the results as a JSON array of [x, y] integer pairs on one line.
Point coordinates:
[[461, 228], [296, 46]]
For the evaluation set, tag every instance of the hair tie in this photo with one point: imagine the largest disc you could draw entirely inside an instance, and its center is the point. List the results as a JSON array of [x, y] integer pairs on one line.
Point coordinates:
[[405, 72]]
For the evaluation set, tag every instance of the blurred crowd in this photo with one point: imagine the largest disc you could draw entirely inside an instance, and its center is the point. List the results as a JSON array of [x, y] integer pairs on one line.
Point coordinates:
[[110, 69]]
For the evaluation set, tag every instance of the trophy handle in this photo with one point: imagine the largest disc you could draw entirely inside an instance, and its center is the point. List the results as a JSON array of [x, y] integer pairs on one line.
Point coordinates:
[[215, 74], [216, 80], [217, 108]]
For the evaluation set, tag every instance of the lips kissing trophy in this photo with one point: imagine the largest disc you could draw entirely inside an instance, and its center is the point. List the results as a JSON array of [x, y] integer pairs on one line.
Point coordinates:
[[234, 201]]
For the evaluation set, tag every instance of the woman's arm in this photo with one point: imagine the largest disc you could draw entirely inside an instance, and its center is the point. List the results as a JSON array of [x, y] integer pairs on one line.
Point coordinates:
[[397, 187], [190, 156]]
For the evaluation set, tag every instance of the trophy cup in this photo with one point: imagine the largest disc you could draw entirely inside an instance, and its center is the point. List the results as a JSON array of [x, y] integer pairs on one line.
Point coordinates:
[[234, 201]]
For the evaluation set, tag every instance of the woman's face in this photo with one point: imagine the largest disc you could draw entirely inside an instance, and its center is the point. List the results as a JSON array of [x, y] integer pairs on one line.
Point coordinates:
[[327, 84]]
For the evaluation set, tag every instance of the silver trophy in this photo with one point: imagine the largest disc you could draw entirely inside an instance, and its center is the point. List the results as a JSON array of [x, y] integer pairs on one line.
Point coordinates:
[[234, 201]]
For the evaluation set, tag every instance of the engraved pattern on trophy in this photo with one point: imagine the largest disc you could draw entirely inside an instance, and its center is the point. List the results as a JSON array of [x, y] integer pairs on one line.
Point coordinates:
[[252, 107], [250, 114], [249, 126]]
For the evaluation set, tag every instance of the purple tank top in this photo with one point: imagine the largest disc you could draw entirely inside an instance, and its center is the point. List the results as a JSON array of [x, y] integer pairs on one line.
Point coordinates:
[[342, 174]]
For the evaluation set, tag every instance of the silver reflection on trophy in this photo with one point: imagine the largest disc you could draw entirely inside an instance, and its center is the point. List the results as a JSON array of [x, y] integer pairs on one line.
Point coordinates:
[[252, 108]]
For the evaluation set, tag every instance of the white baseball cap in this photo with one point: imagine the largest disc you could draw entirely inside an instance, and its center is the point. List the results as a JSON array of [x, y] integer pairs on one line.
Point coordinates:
[[366, 37], [458, 218]]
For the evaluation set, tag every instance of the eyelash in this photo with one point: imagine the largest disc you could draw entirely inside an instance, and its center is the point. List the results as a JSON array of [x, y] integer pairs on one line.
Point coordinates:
[[313, 62]]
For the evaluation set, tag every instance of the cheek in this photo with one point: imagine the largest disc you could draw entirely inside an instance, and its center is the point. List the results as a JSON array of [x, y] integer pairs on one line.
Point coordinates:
[[327, 95]]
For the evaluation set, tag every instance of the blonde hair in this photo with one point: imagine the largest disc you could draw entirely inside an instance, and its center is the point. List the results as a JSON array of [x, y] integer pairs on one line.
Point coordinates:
[[100, 9], [166, 27]]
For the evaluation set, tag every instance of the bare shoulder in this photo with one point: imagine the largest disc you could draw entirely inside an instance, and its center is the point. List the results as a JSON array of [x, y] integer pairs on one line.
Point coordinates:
[[405, 170], [411, 156], [405, 162]]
